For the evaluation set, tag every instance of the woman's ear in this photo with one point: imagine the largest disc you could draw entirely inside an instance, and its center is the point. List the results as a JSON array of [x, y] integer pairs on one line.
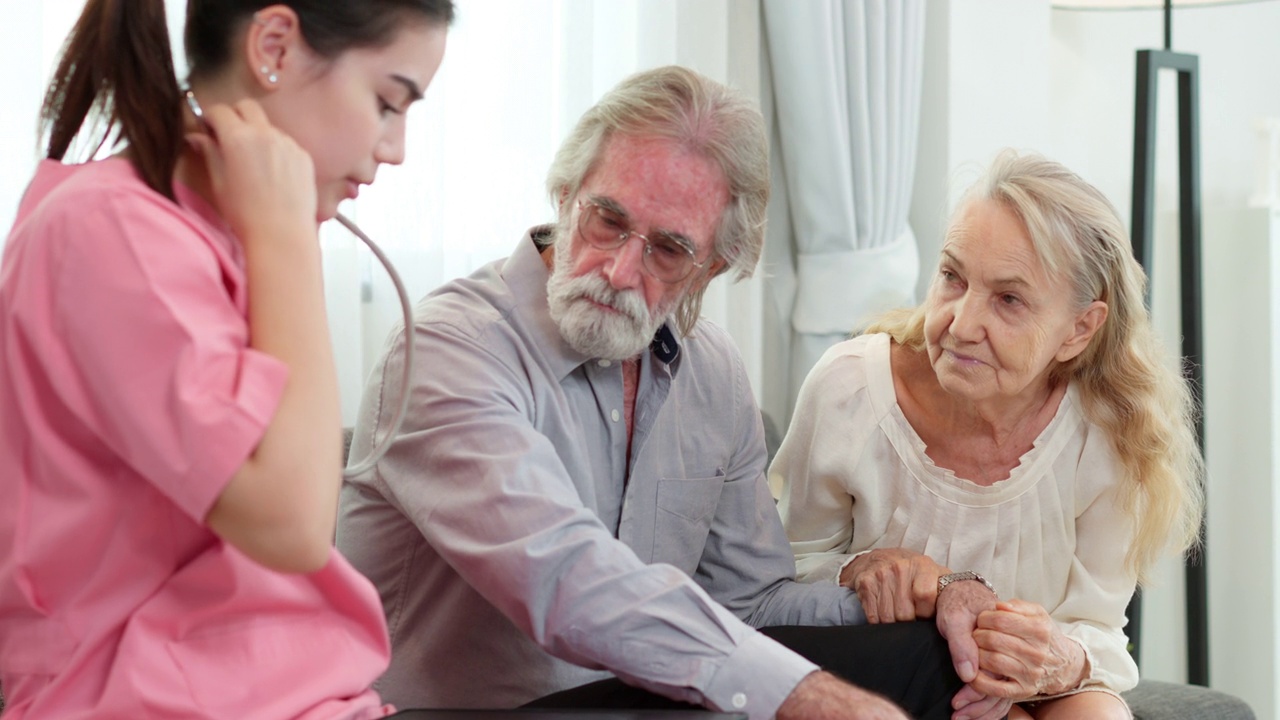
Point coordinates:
[[1086, 326], [273, 45]]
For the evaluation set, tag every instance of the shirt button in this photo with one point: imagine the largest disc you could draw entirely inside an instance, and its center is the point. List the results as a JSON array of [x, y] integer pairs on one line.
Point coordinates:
[[615, 415], [739, 701], [604, 363]]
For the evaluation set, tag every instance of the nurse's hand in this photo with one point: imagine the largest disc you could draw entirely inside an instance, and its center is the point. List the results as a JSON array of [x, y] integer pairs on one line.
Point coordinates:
[[262, 181]]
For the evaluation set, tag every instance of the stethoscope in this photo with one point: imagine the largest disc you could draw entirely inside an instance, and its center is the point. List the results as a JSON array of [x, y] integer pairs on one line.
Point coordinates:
[[380, 448]]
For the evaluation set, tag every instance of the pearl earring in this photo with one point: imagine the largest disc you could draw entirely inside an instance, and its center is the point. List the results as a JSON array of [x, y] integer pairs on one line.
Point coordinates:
[[271, 77]]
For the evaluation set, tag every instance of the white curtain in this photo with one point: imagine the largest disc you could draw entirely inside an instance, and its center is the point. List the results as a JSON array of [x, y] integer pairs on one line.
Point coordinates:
[[846, 87]]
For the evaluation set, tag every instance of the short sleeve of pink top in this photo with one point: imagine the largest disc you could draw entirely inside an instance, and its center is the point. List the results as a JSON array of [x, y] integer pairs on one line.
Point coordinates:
[[128, 398]]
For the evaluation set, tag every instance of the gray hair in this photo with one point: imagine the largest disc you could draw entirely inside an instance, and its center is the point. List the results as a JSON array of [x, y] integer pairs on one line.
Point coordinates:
[[697, 113]]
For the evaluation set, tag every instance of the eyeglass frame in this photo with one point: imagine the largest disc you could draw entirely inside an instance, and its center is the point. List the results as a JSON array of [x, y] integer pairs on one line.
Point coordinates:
[[597, 204]]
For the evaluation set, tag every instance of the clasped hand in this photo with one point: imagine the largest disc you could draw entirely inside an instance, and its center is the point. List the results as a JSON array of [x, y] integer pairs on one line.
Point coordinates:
[[893, 584], [1009, 652], [1023, 653]]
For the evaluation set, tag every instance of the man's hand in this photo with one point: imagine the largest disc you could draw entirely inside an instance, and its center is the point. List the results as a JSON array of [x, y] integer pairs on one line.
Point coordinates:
[[823, 696], [1025, 652], [958, 611], [894, 584]]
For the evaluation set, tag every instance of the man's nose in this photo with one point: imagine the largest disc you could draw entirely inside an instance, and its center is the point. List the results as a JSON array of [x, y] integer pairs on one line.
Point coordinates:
[[626, 264]]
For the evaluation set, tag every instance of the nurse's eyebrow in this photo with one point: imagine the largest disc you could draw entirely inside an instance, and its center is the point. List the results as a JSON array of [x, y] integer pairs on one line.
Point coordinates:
[[415, 93]]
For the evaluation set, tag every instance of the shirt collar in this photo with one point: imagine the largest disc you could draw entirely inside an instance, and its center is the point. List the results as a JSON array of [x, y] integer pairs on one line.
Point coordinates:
[[526, 274]]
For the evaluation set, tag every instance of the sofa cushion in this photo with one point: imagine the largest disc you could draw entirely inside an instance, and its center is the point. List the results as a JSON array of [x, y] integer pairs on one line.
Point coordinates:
[[1157, 700]]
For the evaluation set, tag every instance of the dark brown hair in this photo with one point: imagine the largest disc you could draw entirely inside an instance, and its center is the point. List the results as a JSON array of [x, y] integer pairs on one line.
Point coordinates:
[[117, 64]]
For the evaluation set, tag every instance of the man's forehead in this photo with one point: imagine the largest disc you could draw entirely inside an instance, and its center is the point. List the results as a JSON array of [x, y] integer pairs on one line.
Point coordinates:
[[658, 184]]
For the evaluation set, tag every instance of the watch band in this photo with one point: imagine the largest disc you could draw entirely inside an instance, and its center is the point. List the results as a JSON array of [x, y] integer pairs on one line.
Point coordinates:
[[949, 578]]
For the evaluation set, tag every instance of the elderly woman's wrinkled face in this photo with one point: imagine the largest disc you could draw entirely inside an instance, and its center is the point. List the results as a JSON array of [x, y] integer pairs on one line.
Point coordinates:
[[996, 320]]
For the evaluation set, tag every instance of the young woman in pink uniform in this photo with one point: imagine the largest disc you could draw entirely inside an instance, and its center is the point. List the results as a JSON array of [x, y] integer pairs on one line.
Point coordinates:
[[169, 421]]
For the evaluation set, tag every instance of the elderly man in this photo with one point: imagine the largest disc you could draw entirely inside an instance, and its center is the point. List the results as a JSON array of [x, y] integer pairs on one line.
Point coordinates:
[[579, 488]]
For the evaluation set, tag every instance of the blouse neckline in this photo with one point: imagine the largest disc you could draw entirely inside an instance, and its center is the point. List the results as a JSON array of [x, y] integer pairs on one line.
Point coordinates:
[[910, 447]]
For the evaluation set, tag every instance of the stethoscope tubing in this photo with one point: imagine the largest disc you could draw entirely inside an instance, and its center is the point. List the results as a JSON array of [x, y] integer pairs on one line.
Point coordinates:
[[406, 309]]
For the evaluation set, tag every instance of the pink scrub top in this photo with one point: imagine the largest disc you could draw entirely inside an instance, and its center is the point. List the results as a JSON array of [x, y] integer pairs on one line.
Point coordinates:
[[128, 398]]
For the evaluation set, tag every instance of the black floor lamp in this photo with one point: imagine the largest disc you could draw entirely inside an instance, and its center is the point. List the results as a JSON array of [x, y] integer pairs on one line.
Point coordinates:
[[1149, 65]]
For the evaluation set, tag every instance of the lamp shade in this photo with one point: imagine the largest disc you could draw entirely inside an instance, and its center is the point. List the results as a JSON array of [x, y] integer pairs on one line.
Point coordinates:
[[1136, 4]]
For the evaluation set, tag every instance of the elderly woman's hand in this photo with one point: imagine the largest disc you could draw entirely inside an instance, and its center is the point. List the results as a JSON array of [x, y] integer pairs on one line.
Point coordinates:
[[1024, 653], [969, 704], [894, 584]]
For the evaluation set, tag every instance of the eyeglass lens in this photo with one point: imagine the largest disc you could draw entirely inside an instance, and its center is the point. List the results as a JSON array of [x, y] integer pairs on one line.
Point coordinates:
[[664, 256]]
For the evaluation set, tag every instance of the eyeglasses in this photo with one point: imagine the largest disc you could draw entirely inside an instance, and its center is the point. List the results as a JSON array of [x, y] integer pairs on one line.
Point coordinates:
[[665, 257]]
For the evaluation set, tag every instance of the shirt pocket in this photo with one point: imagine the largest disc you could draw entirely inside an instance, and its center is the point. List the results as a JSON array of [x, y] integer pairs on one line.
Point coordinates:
[[686, 508]]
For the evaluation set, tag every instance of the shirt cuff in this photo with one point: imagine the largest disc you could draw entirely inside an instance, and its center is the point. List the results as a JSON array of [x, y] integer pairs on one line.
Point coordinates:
[[1090, 663], [757, 677]]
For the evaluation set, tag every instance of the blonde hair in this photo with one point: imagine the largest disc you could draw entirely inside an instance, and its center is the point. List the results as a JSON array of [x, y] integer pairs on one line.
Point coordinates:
[[702, 115], [1125, 383]]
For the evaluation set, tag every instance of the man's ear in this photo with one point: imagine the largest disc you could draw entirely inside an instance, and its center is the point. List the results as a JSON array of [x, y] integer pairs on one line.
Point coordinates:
[[274, 45], [1087, 323]]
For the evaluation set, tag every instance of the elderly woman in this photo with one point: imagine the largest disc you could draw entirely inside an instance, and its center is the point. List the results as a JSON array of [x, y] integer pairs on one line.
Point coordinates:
[[1022, 432]]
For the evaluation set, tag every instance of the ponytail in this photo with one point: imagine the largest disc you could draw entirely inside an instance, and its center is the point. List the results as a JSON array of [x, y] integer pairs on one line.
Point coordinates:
[[117, 64]]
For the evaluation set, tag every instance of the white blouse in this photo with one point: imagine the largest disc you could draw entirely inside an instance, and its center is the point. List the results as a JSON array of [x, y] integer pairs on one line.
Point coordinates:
[[852, 475]]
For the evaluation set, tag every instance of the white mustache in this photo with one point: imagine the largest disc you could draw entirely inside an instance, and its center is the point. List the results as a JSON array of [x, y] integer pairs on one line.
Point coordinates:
[[597, 289]]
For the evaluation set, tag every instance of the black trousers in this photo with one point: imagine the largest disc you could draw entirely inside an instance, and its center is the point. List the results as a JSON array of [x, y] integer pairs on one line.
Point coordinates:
[[906, 662]]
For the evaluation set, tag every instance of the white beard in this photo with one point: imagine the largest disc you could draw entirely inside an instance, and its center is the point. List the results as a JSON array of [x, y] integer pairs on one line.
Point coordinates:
[[590, 330]]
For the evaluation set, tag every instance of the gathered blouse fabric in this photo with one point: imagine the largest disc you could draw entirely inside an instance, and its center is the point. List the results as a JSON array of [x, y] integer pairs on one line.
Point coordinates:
[[852, 475], [129, 396]]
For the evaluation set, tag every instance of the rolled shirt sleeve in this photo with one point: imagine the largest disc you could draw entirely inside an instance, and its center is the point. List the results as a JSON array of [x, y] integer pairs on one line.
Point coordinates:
[[175, 391]]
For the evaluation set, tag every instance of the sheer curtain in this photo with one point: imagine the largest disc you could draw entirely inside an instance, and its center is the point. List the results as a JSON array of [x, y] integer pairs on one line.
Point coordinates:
[[846, 84], [516, 76]]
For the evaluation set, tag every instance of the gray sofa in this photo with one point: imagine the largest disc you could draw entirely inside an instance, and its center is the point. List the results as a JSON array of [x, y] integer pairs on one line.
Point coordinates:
[[1156, 700]]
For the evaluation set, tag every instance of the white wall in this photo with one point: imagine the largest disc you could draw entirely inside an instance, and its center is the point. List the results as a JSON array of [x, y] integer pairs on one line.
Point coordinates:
[[1016, 72]]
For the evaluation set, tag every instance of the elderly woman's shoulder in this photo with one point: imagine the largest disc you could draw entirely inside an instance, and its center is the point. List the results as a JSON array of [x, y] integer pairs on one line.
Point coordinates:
[[851, 366], [858, 349], [1098, 468]]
